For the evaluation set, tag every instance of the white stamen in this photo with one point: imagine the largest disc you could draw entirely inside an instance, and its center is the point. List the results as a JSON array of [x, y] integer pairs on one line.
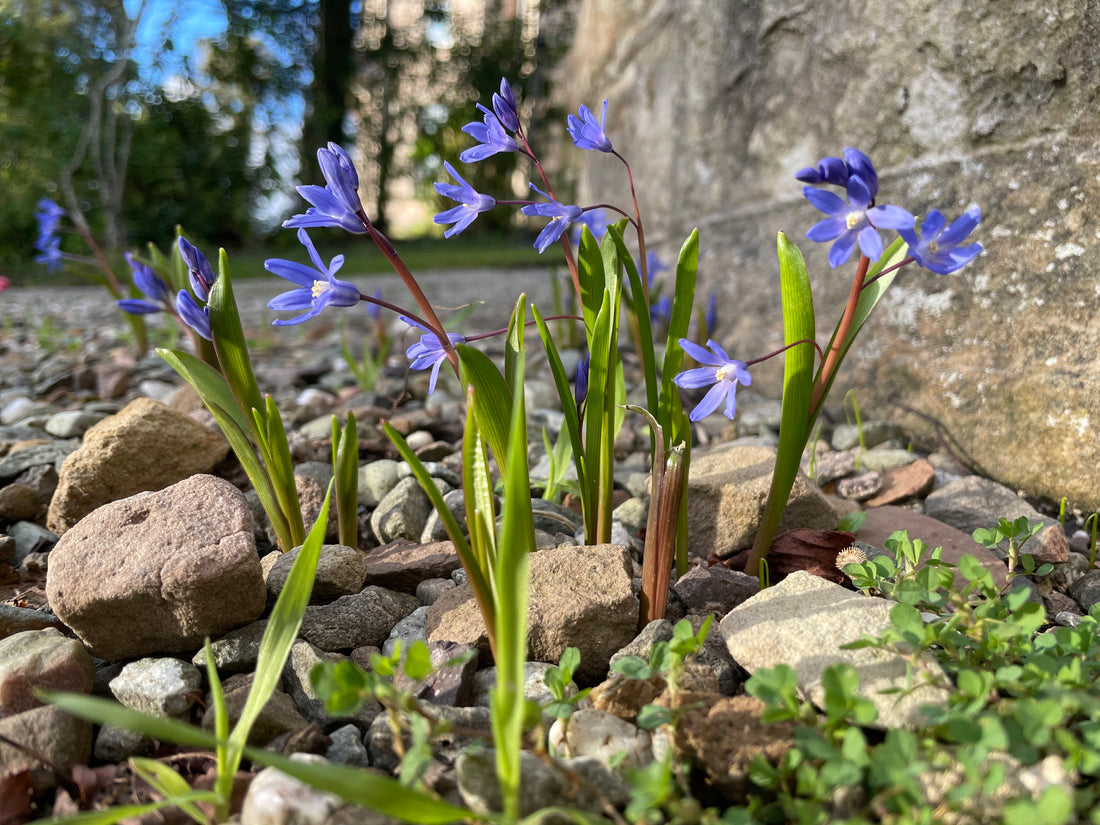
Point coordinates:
[[319, 288]]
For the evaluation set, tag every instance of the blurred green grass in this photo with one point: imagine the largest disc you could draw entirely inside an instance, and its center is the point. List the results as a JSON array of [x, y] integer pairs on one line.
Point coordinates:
[[361, 258]]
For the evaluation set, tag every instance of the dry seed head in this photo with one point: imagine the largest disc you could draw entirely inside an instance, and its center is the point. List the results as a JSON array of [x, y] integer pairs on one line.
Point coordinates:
[[850, 555]]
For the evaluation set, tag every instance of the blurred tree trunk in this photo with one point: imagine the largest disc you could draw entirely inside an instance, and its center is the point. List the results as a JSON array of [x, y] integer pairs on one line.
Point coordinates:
[[333, 66], [106, 138]]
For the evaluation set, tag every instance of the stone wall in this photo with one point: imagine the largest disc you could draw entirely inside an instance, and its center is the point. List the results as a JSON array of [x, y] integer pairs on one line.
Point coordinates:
[[716, 103]]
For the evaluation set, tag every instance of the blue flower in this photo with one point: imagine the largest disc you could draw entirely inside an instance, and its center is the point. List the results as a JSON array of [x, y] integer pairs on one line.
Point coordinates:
[[196, 317], [661, 311], [560, 214], [199, 270], [49, 253], [580, 380], [429, 351], [595, 220], [720, 370], [829, 170], [152, 286], [48, 244], [49, 217], [471, 203], [938, 248], [858, 219], [504, 104], [490, 136], [318, 286], [337, 203], [710, 316], [586, 132]]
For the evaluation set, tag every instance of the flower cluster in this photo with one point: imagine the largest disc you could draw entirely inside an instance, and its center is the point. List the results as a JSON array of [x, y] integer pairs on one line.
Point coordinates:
[[158, 295], [857, 220], [195, 313], [48, 242], [337, 203]]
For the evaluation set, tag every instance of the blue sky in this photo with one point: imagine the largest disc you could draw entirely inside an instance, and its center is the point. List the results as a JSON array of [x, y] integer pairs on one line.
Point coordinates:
[[186, 22]]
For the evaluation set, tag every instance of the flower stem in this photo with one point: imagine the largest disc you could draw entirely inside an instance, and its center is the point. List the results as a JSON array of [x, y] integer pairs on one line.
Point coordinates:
[[638, 226], [832, 360], [432, 320]]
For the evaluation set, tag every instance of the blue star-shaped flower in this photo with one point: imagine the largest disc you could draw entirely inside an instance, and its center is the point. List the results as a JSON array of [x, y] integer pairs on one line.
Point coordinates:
[[199, 271], [722, 371], [471, 203], [490, 136], [586, 132], [560, 214], [152, 286], [858, 219], [429, 351], [504, 104], [337, 203], [196, 317], [938, 248], [319, 288]]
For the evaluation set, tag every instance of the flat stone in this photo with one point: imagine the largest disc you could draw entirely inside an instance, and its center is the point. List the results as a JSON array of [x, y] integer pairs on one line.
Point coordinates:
[[159, 572], [804, 620], [147, 446], [157, 687], [913, 480], [52, 734], [339, 572], [53, 453], [727, 490], [41, 659], [401, 566], [365, 618], [861, 486], [579, 597]]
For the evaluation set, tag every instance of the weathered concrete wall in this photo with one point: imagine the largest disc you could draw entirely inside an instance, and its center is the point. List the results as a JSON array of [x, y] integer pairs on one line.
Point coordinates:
[[716, 103]]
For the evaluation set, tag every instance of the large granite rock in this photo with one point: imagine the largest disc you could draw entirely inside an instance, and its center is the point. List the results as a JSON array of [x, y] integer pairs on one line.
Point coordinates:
[[957, 103], [159, 572], [146, 446]]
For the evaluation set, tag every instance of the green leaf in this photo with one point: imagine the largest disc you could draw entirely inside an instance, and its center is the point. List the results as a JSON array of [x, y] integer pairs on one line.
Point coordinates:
[[342, 686], [651, 717], [492, 401], [345, 466], [677, 427], [282, 630], [207, 382], [565, 397], [110, 816], [229, 343], [632, 667], [640, 305], [164, 780], [368, 788], [454, 531], [418, 661], [796, 420], [591, 275]]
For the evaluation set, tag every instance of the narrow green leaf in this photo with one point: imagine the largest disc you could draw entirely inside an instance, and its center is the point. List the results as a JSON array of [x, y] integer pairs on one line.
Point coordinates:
[[107, 711], [798, 380], [207, 382], [565, 396], [591, 274], [110, 816], [345, 467], [678, 427], [164, 780], [280, 469], [282, 630], [517, 541], [221, 725], [600, 370], [452, 527], [229, 343], [369, 788], [493, 399], [641, 312]]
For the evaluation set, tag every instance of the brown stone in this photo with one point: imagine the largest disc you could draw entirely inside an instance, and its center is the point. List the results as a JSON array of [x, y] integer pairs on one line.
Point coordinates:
[[913, 480]]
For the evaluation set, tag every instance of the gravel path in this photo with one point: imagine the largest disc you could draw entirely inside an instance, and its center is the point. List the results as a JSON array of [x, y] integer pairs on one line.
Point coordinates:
[[493, 293]]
